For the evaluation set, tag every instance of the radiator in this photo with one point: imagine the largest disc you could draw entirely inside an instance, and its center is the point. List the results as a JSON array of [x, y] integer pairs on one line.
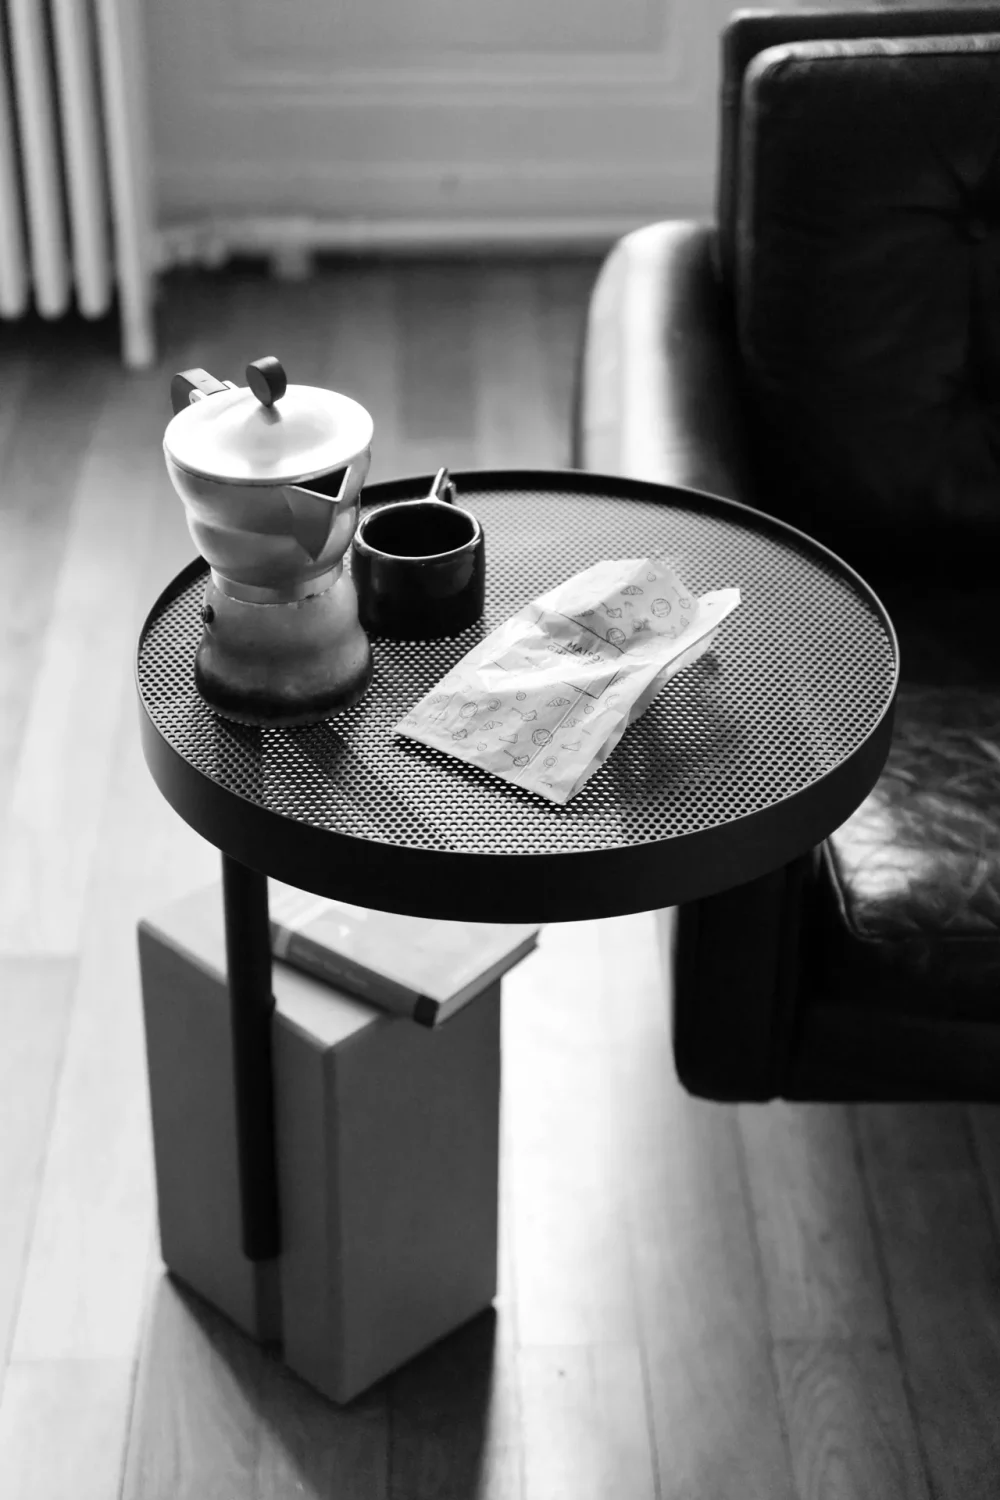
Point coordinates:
[[75, 223]]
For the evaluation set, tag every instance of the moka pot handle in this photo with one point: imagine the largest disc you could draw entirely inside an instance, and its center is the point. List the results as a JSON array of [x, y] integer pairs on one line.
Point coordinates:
[[194, 385]]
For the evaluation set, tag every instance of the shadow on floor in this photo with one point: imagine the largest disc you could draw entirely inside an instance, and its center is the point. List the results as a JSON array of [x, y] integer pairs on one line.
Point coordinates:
[[215, 1412]]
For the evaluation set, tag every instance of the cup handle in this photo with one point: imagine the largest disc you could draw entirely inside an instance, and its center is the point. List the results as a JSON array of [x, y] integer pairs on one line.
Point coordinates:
[[443, 487]]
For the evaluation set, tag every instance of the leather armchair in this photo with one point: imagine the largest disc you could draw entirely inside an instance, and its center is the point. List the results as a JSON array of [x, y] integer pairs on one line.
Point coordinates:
[[828, 350]]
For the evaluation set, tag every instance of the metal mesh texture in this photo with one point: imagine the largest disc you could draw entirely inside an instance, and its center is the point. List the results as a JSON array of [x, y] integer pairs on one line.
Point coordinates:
[[797, 678]]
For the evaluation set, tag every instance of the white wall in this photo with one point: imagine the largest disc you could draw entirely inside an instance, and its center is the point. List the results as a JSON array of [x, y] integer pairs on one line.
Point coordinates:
[[417, 121]]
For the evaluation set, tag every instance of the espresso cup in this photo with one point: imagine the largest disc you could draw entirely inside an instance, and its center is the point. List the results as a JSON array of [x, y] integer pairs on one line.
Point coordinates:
[[419, 568]]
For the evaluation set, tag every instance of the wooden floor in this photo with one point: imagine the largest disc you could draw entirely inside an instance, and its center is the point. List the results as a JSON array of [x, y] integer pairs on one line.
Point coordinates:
[[698, 1302]]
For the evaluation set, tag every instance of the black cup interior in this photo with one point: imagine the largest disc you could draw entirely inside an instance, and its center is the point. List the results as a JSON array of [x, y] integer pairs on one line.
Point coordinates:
[[417, 529]]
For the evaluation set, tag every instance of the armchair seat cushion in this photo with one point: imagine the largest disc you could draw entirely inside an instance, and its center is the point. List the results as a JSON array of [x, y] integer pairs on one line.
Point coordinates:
[[915, 872]]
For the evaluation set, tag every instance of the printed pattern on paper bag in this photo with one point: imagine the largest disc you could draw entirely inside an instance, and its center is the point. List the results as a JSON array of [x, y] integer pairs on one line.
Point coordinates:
[[544, 699]]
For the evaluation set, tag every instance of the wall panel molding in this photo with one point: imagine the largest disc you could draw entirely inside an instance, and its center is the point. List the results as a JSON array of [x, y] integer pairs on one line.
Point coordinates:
[[449, 112]]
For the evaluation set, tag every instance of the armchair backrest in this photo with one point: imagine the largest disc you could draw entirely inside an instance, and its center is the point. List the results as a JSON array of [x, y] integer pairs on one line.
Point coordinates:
[[751, 31], [866, 287]]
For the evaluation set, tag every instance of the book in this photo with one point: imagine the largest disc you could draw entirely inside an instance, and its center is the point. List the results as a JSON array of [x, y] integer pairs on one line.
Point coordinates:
[[411, 966]]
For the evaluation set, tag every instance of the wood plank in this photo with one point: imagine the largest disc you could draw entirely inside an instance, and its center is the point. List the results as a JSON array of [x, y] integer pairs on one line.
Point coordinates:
[[363, 357], [505, 1301], [311, 1449], [298, 324], [437, 365], [196, 1428], [585, 1432], [217, 1415], [702, 1309], [515, 423], [90, 1241], [939, 1247], [817, 1254], [49, 412], [455, 1419], [19, 366], [62, 1429], [564, 288], [566, 1164], [571, 1251], [898, 1139], [35, 999], [542, 1010], [62, 775], [629, 989], [92, 1142], [665, 1225], [83, 1284], [850, 1428], [194, 308], [984, 1126], [701, 1301], [82, 1293]]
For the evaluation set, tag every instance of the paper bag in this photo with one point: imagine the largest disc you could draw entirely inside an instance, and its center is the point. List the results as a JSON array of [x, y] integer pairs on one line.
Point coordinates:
[[544, 699]]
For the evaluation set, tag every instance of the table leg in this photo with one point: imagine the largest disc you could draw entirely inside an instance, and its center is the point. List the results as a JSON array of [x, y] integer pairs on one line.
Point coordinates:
[[248, 958]]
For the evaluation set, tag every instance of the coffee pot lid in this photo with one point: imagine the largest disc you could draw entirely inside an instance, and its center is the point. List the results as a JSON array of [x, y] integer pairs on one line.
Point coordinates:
[[266, 432]]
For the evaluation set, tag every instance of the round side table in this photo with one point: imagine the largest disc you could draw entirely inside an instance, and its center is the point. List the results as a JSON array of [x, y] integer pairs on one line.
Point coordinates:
[[743, 763]]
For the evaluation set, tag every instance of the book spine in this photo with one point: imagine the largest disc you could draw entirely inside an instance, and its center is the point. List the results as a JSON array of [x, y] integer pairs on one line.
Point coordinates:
[[334, 968]]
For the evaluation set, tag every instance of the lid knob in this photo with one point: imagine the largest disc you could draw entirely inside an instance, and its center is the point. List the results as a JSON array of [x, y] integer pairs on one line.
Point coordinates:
[[267, 379]]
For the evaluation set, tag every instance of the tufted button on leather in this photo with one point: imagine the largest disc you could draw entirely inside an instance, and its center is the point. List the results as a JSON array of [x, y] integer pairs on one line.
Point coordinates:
[[976, 229]]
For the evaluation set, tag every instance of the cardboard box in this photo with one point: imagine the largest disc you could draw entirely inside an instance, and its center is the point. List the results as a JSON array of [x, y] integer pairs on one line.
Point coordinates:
[[387, 1147]]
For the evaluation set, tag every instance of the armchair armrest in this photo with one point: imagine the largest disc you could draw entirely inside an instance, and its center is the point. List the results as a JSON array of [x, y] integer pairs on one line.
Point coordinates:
[[660, 398], [659, 387]]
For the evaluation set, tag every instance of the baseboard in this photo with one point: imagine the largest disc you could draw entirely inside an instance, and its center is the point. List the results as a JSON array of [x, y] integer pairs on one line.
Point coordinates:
[[290, 241]]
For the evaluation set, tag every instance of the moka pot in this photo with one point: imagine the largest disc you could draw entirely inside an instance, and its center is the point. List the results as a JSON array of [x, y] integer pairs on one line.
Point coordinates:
[[271, 475]]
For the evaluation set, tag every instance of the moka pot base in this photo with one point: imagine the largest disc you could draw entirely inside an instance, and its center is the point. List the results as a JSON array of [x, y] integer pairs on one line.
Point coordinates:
[[283, 663]]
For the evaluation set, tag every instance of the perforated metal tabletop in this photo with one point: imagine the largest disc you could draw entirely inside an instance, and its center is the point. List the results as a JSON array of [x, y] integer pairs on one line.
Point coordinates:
[[743, 762]]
